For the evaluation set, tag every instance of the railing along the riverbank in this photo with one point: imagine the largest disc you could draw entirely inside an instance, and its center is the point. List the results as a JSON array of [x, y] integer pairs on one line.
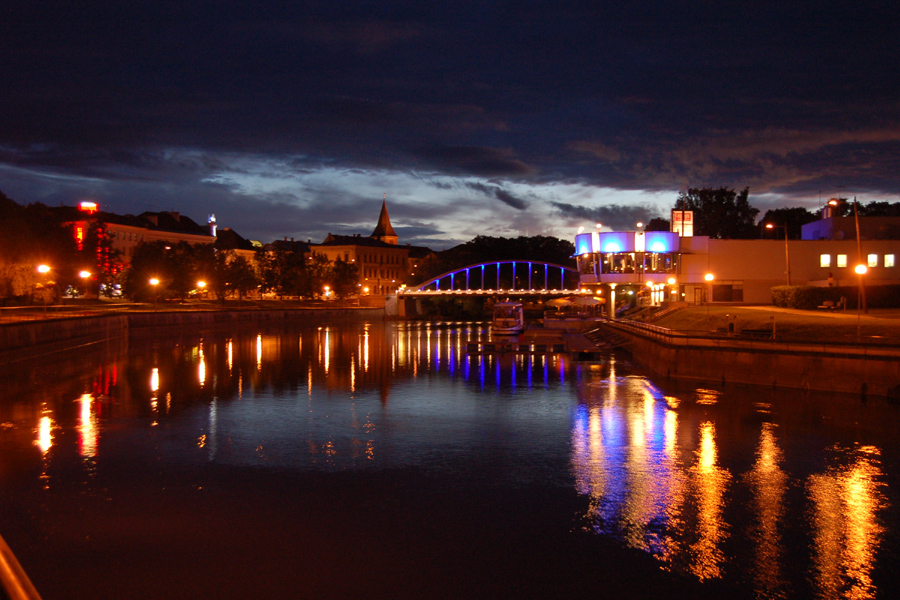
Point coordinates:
[[866, 347]]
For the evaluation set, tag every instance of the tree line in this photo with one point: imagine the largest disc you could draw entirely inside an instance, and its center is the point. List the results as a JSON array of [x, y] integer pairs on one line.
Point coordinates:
[[723, 213]]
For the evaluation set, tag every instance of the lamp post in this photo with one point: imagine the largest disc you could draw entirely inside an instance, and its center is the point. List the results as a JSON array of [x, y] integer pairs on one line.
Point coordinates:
[[154, 282], [43, 270], [787, 256], [860, 270], [862, 265], [84, 275], [709, 279]]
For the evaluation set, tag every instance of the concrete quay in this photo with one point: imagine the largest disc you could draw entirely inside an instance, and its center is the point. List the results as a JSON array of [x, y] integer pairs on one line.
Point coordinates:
[[824, 365]]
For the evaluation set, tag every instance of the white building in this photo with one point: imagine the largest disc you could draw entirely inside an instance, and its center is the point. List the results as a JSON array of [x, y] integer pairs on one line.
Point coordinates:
[[668, 267]]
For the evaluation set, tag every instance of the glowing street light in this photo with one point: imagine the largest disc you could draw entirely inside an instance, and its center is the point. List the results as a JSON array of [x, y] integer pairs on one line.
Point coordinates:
[[709, 279], [154, 282], [43, 269], [787, 256]]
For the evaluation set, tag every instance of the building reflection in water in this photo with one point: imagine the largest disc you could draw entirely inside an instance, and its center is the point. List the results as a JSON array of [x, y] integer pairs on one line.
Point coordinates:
[[845, 501], [651, 468], [768, 482], [658, 472]]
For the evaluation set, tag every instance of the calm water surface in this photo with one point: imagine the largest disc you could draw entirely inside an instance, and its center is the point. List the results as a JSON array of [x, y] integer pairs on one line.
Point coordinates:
[[378, 459]]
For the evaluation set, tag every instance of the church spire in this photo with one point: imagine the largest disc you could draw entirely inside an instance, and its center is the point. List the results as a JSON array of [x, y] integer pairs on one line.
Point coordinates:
[[383, 231]]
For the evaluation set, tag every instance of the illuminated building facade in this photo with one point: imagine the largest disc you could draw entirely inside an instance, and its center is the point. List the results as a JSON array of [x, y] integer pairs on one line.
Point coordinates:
[[664, 267], [383, 263]]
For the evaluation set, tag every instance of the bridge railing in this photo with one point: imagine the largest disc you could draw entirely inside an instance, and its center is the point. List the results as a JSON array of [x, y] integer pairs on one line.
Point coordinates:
[[504, 275]]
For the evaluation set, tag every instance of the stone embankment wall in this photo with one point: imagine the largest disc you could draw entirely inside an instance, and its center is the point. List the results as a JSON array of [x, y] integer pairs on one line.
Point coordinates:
[[851, 370], [35, 338], [224, 318]]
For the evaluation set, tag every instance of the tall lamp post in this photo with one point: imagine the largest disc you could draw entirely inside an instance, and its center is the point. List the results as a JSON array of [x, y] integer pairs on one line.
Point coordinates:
[[155, 282], [709, 279], [861, 270], [84, 275], [787, 255], [43, 270]]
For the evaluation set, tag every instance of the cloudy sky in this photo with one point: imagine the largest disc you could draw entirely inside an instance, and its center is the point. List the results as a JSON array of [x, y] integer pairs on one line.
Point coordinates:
[[294, 118]]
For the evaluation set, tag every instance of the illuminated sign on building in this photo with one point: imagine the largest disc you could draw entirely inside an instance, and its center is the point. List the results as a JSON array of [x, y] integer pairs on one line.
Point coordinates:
[[88, 207]]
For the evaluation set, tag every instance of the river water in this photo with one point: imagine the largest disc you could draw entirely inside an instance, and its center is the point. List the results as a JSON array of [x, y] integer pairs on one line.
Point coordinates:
[[382, 460]]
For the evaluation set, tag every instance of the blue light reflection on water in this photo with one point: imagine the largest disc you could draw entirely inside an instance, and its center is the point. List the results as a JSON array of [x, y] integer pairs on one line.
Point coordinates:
[[717, 485]]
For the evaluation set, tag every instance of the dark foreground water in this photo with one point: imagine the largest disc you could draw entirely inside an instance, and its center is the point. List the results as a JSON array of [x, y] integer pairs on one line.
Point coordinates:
[[382, 461]]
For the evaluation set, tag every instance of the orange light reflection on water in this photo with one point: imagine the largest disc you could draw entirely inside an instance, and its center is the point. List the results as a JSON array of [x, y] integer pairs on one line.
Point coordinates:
[[845, 503], [87, 430], [44, 439]]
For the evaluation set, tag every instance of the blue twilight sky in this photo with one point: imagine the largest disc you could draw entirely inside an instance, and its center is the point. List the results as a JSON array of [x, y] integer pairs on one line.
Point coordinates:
[[475, 118]]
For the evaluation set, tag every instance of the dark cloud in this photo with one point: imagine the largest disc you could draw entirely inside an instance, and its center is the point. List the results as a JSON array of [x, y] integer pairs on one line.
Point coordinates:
[[613, 216], [472, 160], [500, 194], [151, 102]]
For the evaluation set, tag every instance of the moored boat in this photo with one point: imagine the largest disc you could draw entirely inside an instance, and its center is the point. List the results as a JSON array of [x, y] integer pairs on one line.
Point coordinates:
[[508, 319]]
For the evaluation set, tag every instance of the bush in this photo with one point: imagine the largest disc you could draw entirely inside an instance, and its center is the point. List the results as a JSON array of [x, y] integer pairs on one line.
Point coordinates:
[[809, 297]]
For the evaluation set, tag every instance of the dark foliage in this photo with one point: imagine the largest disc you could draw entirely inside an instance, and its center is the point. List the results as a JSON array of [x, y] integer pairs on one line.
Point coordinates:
[[720, 213], [792, 218]]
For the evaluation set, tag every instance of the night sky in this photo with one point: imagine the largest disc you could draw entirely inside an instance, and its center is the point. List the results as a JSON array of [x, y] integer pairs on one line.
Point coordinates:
[[293, 118]]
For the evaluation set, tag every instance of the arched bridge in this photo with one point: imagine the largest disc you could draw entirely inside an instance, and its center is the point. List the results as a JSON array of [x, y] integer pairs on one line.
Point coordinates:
[[505, 276]]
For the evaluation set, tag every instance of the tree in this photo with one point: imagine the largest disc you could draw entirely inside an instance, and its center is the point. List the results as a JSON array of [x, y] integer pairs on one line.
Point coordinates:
[[149, 261], [312, 279], [720, 213], [657, 224], [880, 209], [29, 236], [482, 249], [792, 218], [240, 277], [344, 278]]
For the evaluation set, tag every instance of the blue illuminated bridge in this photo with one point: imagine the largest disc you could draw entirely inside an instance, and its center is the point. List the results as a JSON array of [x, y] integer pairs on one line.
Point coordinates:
[[500, 277]]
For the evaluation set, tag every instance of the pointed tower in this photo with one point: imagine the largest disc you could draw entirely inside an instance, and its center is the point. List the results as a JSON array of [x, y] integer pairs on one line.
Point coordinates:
[[383, 231]]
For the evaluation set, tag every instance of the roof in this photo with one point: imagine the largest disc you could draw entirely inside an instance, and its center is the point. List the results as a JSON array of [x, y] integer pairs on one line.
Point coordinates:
[[228, 239], [384, 229], [357, 240]]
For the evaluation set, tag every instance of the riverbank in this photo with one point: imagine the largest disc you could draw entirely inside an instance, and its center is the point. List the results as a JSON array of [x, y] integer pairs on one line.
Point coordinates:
[[879, 326], [831, 352], [33, 332]]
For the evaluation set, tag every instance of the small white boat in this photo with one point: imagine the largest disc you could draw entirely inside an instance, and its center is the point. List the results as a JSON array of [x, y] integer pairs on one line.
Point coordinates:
[[509, 318]]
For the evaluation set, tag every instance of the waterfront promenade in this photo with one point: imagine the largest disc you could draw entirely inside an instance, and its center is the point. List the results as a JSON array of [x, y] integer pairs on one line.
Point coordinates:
[[763, 345], [880, 326]]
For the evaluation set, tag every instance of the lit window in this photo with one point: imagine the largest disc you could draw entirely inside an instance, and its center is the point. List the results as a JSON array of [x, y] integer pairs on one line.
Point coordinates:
[[841, 260], [825, 260], [873, 261], [889, 260]]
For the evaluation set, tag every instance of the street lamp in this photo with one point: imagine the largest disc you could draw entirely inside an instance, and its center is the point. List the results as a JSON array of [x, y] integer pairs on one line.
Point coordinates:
[[860, 270], [787, 256], [43, 270], [84, 275], [154, 282], [709, 279]]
